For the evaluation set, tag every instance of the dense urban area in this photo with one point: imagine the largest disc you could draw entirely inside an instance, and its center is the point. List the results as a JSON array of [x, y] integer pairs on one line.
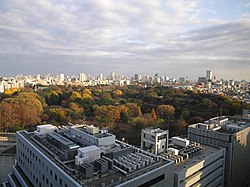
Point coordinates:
[[124, 105], [124, 131]]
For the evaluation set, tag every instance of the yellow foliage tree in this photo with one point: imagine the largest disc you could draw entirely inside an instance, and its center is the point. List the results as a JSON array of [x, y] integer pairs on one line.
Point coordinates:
[[74, 96], [10, 91], [87, 91], [117, 92], [87, 96]]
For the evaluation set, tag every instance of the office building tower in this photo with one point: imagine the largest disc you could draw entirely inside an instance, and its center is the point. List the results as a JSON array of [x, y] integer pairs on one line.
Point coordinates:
[[136, 77], [61, 77], [85, 156], [209, 75], [82, 77], [101, 76], [113, 76], [38, 76], [202, 80], [232, 133]]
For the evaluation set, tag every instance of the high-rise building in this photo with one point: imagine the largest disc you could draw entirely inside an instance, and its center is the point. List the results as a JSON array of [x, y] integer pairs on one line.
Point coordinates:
[[38, 76], [82, 77], [101, 76], [61, 77], [202, 80], [85, 156], [136, 77], [113, 76], [209, 75], [233, 134]]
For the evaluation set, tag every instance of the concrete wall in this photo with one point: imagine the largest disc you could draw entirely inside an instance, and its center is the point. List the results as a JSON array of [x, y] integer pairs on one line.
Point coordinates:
[[237, 162], [205, 171], [241, 160], [212, 138]]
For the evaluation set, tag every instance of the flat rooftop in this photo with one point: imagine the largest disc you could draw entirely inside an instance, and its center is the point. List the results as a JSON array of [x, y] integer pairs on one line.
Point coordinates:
[[232, 126], [192, 160], [154, 130], [62, 139], [97, 135], [196, 153], [113, 176]]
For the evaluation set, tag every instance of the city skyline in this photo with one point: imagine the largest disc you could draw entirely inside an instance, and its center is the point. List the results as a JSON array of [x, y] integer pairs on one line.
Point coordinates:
[[175, 39]]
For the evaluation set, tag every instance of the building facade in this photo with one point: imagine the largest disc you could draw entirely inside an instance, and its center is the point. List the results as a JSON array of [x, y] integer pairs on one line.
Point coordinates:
[[234, 135], [195, 164]]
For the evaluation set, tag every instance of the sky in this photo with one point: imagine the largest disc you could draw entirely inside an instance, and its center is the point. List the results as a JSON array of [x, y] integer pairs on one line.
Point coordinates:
[[171, 37]]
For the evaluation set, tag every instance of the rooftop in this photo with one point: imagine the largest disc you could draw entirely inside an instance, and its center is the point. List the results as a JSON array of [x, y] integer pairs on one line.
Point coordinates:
[[230, 125], [185, 157], [154, 130], [99, 134], [127, 162]]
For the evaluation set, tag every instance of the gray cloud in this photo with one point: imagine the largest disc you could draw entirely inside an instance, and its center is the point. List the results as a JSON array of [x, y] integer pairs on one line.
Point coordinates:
[[169, 37]]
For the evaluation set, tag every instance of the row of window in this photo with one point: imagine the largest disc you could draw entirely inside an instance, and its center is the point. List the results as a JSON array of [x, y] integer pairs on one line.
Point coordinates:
[[26, 156]]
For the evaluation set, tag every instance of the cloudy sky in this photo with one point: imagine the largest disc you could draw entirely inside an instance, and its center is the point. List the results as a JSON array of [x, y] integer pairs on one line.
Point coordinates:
[[170, 37]]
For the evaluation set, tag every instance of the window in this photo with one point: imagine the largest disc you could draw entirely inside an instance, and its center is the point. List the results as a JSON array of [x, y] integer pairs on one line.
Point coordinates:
[[50, 172], [55, 177], [60, 181]]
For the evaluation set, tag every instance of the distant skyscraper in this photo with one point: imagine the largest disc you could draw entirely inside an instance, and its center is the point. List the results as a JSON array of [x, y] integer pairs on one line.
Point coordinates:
[[61, 77], [38, 76], [136, 77], [113, 76], [82, 77], [101, 76], [209, 75]]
